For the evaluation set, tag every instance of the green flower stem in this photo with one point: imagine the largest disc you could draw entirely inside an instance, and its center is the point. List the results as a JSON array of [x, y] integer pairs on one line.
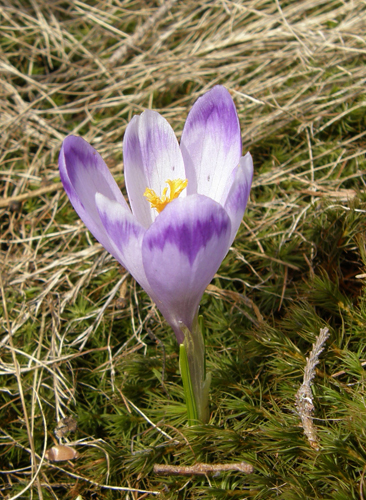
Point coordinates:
[[187, 386], [196, 383]]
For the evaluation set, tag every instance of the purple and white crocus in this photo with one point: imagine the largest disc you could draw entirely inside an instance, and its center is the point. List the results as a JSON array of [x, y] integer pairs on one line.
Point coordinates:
[[174, 243]]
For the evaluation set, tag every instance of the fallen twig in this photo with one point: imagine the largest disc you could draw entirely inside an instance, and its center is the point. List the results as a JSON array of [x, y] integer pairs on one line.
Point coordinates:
[[201, 469], [5, 202], [304, 402]]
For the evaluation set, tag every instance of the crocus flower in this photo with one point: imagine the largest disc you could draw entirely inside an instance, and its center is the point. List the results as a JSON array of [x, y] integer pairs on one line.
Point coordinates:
[[185, 202]]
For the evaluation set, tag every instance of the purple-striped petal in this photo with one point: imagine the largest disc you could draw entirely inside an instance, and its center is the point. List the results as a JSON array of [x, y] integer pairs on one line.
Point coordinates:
[[181, 252], [125, 235], [83, 174], [237, 192], [211, 143], [151, 156]]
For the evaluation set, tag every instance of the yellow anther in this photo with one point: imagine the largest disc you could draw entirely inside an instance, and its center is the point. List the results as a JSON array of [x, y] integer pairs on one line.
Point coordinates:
[[176, 187]]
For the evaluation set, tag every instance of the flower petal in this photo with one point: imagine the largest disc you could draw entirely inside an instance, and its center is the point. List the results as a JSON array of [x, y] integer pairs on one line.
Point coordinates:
[[181, 252], [151, 156], [83, 174], [211, 143], [237, 192], [125, 235]]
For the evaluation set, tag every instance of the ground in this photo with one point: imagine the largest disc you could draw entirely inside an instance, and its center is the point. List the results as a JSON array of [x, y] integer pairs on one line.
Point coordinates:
[[74, 339]]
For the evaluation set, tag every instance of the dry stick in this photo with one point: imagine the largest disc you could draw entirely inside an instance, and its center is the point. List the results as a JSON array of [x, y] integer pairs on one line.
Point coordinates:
[[37, 381], [5, 202], [312, 178], [56, 391], [304, 402], [135, 39], [201, 469]]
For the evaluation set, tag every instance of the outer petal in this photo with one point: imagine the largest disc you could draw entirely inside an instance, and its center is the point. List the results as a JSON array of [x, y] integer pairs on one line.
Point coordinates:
[[237, 192], [211, 143], [83, 174], [125, 235], [151, 156], [181, 252]]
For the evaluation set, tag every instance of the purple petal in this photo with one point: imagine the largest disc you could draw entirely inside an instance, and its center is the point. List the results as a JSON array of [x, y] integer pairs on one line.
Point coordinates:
[[181, 252], [151, 156], [211, 143], [125, 235], [237, 192], [83, 174]]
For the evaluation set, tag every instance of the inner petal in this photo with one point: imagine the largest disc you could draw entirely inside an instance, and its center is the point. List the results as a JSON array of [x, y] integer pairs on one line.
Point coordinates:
[[151, 155]]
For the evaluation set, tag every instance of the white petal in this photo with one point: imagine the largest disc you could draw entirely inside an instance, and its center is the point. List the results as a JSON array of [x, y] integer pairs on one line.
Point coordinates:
[[211, 143], [151, 156]]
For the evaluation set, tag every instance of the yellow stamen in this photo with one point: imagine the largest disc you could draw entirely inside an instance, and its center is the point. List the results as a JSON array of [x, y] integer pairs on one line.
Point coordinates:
[[176, 187]]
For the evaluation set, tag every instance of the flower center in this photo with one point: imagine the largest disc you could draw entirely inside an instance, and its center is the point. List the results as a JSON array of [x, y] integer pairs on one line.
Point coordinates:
[[176, 187]]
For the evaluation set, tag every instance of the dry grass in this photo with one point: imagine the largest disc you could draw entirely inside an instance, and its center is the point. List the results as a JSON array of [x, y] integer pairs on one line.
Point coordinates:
[[297, 73]]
